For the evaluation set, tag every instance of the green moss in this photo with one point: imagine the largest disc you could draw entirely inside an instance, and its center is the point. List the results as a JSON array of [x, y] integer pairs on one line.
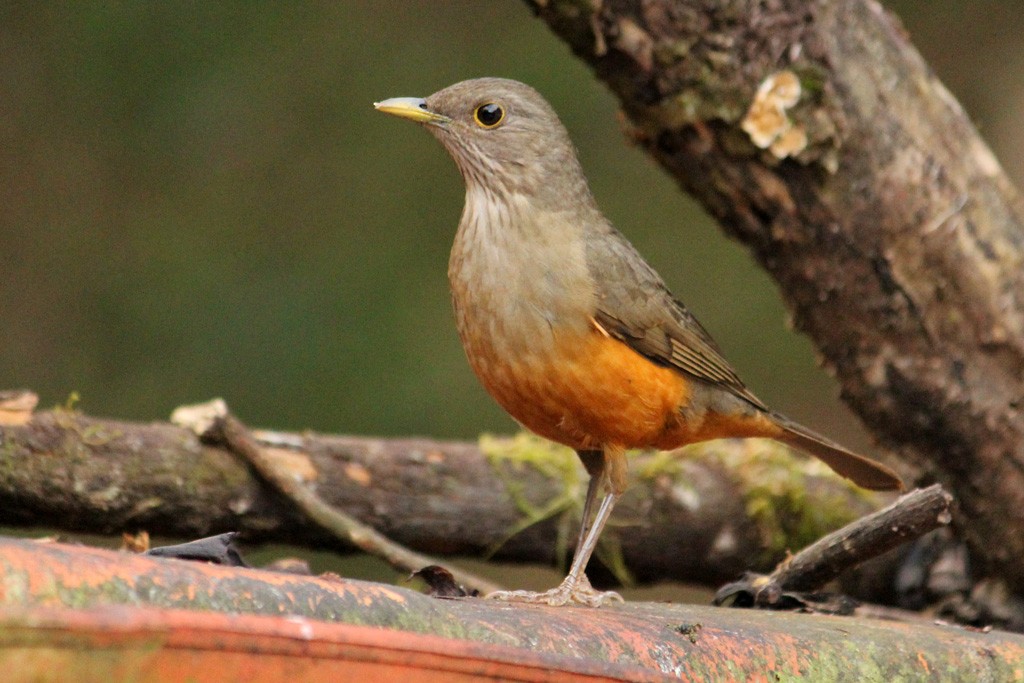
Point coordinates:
[[655, 464], [10, 463], [705, 103], [73, 399], [772, 480], [99, 435], [525, 449], [115, 591], [774, 485], [667, 52], [508, 455]]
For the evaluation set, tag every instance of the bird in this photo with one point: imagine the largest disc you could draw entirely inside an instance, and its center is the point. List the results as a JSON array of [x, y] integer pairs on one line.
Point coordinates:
[[568, 327]]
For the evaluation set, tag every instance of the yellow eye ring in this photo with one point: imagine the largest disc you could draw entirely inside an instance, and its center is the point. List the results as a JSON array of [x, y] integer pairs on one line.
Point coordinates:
[[489, 115]]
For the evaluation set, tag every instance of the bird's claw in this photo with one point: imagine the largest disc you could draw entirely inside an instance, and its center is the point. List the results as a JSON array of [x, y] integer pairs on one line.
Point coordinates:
[[569, 592]]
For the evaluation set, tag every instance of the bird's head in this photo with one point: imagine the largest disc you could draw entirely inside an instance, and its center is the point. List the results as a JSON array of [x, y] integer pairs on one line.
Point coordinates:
[[503, 135]]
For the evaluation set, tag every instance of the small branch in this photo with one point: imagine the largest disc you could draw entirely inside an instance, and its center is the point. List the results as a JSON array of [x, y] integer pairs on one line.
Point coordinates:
[[907, 519], [235, 435]]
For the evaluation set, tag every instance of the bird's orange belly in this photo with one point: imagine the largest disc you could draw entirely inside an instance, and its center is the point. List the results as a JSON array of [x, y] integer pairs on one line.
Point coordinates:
[[591, 390]]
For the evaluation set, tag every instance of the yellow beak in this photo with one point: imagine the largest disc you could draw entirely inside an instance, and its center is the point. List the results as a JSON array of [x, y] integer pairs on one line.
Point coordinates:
[[412, 108]]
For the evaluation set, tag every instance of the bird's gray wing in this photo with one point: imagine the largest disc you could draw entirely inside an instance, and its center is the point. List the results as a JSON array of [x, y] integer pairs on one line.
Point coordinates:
[[635, 306]]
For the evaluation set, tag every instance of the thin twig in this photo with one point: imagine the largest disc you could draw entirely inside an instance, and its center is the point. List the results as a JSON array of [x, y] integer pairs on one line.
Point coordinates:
[[237, 438], [908, 518]]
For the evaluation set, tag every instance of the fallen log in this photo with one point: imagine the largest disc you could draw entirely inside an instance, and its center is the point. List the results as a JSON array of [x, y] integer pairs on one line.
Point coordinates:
[[703, 515]]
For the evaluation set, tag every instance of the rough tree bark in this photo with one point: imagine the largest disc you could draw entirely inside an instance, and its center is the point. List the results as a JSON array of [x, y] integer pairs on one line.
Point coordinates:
[[865, 191], [705, 517]]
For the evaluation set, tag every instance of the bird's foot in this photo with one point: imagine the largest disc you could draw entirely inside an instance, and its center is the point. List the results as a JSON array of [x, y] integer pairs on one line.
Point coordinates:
[[572, 591]]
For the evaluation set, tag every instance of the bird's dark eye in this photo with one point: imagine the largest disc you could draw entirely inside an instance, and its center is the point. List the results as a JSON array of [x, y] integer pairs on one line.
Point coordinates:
[[489, 115]]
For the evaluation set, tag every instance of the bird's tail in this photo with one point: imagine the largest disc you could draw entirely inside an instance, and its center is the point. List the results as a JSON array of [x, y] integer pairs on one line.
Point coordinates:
[[861, 470]]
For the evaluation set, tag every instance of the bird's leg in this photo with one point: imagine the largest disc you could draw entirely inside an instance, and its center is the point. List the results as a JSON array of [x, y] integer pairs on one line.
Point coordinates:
[[608, 469], [593, 462], [576, 588]]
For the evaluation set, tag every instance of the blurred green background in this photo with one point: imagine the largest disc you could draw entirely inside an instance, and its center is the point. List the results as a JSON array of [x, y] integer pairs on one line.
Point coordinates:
[[198, 200]]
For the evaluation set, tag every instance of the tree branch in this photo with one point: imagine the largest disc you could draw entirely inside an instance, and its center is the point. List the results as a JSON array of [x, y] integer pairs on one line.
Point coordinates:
[[704, 516], [906, 519]]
